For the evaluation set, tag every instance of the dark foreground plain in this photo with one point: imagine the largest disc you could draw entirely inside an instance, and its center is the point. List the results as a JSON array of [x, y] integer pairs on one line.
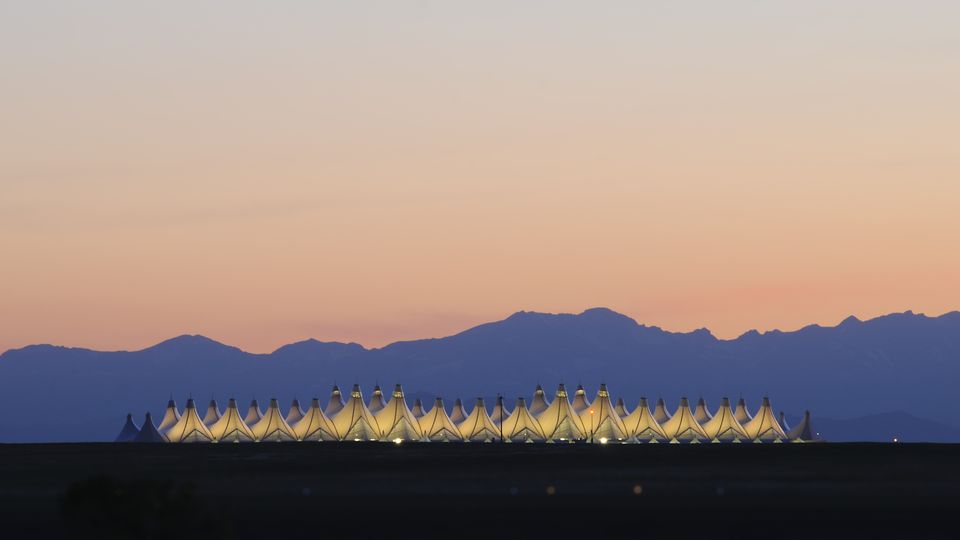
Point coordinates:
[[479, 490]]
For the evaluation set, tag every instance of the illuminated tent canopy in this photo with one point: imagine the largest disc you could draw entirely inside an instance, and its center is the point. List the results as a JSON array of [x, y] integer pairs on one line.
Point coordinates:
[[129, 432], [764, 426], [170, 417], [741, 413], [804, 432], [376, 400], [314, 426], [500, 412], [539, 402], [723, 427], [600, 421], [580, 401], [783, 423], [396, 422], [559, 422], [682, 426], [272, 427], [621, 409], [335, 404], [701, 414], [230, 427], [417, 410], [189, 428], [477, 426], [213, 413], [294, 414], [355, 422], [660, 412], [437, 426], [148, 432], [521, 426], [641, 425], [253, 413], [458, 414]]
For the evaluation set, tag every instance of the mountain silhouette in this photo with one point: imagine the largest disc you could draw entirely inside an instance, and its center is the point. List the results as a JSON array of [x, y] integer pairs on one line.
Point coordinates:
[[902, 362]]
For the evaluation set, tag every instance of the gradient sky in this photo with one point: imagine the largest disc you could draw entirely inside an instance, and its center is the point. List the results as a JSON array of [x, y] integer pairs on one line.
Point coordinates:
[[374, 171]]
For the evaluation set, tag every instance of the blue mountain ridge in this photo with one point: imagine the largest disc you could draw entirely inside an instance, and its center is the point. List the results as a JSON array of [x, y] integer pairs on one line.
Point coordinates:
[[902, 362]]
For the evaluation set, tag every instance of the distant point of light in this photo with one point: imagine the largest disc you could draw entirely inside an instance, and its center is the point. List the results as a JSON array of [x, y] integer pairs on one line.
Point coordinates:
[[603, 440], [637, 489], [397, 440]]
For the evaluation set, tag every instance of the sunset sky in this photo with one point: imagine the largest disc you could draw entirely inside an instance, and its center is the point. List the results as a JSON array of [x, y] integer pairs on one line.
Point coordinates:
[[265, 172]]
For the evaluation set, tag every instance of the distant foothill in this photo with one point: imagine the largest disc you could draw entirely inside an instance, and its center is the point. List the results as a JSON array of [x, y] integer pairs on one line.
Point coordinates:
[[557, 420]]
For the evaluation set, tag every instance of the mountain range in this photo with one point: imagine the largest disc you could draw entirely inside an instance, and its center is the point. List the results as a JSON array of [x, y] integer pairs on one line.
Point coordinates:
[[906, 363]]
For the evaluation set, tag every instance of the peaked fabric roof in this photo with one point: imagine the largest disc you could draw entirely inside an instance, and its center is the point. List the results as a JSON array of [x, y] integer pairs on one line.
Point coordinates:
[[500, 412], [723, 427], [539, 402], [783, 422], [335, 404], [189, 428], [741, 413], [213, 413], [148, 432], [170, 417], [621, 409], [314, 426], [559, 421], [253, 413], [272, 427], [295, 413], [230, 427], [804, 432], [458, 414], [478, 426], [764, 426], [682, 426], [601, 422], [437, 426], [355, 422], [642, 426], [521, 426], [660, 412], [580, 401], [376, 400], [417, 409], [701, 414], [129, 431], [396, 422]]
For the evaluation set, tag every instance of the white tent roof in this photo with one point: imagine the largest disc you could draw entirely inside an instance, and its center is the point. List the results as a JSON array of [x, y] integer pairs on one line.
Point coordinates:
[[559, 422], [804, 432], [783, 422], [396, 422], [189, 428], [437, 426], [580, 402], [355, 422], [741, 413], [723, 426], [660, 412], [253, 413], [417, 409], [600, 421], [458, 414], [621, 409], [272, 427], [230, 427], [521, 426], [314, 426], [641, 425], [170, 417], [294, 414], [213, 413], [764, 426], [539, 402], [129, 431], [148, 432], [376, 400], [477, 426], [335, 404], [682, 426], [701, 414], [500, 412]]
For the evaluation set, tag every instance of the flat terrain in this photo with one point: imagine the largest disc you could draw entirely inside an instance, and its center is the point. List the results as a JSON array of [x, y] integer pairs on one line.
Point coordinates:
[[466, 490]]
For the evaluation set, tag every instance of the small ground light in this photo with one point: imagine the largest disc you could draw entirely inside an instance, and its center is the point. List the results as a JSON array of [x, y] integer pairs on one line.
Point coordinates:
[[896, 439], [551, 490], [397, 440], [603, 440], [637, 489]]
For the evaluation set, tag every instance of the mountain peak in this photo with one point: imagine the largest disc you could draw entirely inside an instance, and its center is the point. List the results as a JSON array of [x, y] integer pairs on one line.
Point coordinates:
[[850, 321], [188, 342]]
